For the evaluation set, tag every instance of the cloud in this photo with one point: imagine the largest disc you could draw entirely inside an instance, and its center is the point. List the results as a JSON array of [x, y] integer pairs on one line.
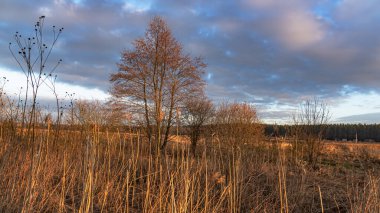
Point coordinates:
[[290, 22], [138, 6], [265, 51], [299, 30], [369, 118]]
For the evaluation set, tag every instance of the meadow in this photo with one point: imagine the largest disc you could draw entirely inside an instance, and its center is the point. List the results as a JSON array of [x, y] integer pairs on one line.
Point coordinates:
[[97, 170]]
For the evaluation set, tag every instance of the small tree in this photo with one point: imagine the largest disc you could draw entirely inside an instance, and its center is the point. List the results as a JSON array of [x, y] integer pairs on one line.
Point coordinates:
[[237, 124], [94, 113], [309, 127], [196, 113]]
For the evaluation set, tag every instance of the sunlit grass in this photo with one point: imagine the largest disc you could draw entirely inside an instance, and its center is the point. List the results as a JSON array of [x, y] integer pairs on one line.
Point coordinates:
[[101, 171]]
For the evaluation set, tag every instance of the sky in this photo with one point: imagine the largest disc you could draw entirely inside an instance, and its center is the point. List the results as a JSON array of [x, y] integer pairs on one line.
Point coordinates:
[[274, 54]]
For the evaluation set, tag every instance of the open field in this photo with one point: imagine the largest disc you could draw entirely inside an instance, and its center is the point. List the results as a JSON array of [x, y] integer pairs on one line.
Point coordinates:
[[93, 171], [360, 148]]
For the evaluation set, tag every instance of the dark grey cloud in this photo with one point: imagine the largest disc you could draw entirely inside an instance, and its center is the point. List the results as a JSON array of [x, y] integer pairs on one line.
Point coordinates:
[[263, 51]]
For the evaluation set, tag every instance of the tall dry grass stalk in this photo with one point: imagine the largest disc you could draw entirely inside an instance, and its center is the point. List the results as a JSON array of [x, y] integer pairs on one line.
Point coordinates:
[[103, 171]]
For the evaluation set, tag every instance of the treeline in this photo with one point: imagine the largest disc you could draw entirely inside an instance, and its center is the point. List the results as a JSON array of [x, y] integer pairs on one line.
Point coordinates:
[[339, 132]]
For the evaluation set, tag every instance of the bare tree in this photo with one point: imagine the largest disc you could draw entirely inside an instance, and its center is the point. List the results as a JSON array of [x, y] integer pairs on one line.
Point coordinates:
[[237, 124], [155, 77], [87, 112], [309, 126], [196, 113]]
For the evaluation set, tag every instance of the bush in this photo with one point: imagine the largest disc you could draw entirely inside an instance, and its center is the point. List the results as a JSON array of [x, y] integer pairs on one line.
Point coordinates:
[[237, 124]]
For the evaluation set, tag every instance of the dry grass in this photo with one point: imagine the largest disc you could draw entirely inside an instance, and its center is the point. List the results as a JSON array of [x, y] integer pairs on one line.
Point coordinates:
[[363, 149], [93, 171]]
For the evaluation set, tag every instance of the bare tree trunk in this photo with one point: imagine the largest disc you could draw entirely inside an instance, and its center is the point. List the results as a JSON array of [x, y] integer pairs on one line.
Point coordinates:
[[169, 122], [148, 127], [194, 138]]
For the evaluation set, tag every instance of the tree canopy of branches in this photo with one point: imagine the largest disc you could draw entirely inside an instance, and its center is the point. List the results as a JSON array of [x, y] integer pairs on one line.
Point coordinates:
[[93, 113], [309, 127], [196, 113], [154, 78], [237, 124]]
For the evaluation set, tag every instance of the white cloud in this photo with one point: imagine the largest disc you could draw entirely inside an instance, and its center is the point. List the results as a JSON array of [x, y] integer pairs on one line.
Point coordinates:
[[45, 11], [137, 6], [356, 103], [17, 80]]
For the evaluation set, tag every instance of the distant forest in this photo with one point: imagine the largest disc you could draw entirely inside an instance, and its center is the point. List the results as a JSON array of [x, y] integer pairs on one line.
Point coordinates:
[[338, 132]]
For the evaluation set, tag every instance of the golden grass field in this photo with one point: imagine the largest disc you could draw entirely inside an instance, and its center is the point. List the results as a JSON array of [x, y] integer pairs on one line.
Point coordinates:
[[372, 149], [100, 171]]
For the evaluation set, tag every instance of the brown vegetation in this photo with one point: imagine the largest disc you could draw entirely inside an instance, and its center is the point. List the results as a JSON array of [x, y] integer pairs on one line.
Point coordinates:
[[196, 113], [94, 166], [94, 171], [237, 124], [308, 129]]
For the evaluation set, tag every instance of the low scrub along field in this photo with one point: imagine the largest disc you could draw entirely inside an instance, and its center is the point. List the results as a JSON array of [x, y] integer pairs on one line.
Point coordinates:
[[102, 171]]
